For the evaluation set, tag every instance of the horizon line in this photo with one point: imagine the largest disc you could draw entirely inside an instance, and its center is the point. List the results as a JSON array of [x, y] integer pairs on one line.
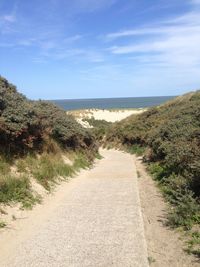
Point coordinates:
[[79, 99]]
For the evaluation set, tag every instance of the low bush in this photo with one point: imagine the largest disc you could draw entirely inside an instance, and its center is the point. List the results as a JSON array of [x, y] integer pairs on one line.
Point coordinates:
[[25, 124], [194, 243], [33, 137], [100, 128], [136, 149], [185, 211], [171, 134]]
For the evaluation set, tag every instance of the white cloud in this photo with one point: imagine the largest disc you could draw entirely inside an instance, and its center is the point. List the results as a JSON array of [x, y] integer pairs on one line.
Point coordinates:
[[174, 42], [8, 18], [196, 2], [6, 24], [72, 39]]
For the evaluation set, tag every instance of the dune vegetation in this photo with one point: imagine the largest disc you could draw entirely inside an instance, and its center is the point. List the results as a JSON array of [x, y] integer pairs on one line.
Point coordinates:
[[38, 141], [99, 128], [168, 137]]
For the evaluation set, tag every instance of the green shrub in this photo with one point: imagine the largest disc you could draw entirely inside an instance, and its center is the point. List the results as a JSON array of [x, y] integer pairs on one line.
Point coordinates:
[[63, 128], [33, 136], [186, 212], [97, 123], [25, 125], [136, 149], [156, 170], [171, 133], [194, 243], [100, 128]]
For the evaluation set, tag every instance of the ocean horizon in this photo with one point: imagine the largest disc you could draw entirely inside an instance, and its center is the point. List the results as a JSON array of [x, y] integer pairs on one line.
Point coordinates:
[[112, 103]]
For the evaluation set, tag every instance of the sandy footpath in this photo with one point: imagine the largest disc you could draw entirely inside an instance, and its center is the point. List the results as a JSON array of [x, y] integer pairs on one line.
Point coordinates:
[[94, 220]]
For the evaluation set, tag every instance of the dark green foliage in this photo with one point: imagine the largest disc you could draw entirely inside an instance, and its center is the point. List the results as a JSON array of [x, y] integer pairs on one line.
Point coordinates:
[[100, 128], [97, 123], [136, 149], [19, 126], [171, 134], [185, 211], [62, 127], [156, 170], [24, 124], [33, 137]]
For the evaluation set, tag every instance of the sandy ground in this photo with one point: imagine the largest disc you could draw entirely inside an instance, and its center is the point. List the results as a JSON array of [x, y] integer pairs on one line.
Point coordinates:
[[113, 116], [104, 114], [165, 246], [94, 220]]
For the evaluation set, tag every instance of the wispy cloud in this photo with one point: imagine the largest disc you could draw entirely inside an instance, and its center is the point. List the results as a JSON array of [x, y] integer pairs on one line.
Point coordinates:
[[174, 42], [78, 54], [6, 23], [8, 18], [72, 39]]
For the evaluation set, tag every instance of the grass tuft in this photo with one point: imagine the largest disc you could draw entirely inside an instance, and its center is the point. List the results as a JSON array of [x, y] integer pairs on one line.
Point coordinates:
[[136, 149], [2, 224], [193, 245], [17, 189]]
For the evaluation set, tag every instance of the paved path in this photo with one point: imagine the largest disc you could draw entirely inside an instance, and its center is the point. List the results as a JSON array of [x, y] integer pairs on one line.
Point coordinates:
[[95, 222]]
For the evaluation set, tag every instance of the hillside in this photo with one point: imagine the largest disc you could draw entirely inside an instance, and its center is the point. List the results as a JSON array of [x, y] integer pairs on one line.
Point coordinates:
[[25, 124], [38, 141], [168, 136]]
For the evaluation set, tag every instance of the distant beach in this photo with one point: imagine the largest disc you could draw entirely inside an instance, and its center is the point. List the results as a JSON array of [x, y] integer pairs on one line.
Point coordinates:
[[112, 103], [103, 114]]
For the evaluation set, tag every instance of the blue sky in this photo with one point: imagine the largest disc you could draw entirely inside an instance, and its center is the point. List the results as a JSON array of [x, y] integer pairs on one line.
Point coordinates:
[[59, 49]]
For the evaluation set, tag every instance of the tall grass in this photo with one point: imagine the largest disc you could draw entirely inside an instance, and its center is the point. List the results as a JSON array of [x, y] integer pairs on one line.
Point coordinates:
[[47, 169], [4, 166], [17, 189], [33, 136]]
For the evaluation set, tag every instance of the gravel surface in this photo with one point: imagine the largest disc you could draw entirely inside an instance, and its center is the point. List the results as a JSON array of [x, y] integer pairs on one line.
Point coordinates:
[[95, 221]]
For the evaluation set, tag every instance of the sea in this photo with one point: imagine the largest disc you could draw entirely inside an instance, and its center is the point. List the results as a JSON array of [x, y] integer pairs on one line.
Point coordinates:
[[112, 103]]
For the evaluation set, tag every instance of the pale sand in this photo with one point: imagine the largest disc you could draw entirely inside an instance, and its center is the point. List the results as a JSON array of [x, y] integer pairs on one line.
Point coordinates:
[[95, 220], [113, 116], [104, 114]]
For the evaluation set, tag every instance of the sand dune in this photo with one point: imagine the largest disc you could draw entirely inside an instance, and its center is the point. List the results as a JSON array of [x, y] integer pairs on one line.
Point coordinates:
[[103, 114]]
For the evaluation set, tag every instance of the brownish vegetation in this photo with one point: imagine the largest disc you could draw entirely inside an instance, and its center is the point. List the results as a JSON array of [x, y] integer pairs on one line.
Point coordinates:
[[169, 138], [33, 137]]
